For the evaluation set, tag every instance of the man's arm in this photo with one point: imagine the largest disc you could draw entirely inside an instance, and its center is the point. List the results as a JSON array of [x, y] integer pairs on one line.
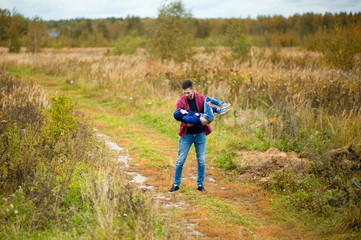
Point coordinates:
[[192, 118]]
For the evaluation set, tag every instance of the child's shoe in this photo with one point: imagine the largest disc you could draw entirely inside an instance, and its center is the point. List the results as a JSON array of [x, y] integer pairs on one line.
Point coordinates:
[[225, 105], [224, 112]]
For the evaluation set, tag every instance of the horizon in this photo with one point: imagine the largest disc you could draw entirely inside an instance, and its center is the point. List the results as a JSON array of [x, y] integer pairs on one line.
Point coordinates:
[[202, 9], [215, 18]]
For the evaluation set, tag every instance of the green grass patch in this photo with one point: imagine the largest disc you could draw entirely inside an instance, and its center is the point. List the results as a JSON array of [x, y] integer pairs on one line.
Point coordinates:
[[327, 226], [220, 210]]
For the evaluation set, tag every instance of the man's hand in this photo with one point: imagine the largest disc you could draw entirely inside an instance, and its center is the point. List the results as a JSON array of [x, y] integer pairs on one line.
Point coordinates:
[[183, 111], [190, 124]]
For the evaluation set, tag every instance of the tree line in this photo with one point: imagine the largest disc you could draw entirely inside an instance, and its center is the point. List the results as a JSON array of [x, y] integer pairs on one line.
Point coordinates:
[[308, 30]]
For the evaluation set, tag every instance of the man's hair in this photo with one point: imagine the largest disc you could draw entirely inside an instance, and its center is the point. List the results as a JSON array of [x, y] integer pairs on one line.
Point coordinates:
[[187, 84]]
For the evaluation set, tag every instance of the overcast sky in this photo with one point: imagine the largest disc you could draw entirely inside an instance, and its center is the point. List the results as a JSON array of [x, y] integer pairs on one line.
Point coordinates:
[[66, 9]]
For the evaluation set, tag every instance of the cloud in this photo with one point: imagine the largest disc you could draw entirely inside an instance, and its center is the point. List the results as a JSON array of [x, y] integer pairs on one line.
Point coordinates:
[[234, 8], [89, 8]]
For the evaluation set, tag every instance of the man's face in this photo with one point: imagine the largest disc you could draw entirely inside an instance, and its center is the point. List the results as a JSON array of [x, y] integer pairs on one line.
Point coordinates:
[[188, 93]]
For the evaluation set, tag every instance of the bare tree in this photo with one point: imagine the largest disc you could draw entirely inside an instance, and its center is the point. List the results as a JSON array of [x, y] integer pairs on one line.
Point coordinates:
[[35, 35], [173, 33]]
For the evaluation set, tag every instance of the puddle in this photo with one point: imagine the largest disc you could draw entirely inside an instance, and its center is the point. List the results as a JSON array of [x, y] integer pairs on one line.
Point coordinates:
[[137, 178], [161, 197], [174, 204], [190, 229], [123, 158], [108, 143], [195, 233], [101, 135], [114, 146], [193, 176], [144, 187], [211, 179]]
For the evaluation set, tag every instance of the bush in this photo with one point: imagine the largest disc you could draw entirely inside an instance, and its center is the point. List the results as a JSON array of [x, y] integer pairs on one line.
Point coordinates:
[[227, 162], [39, 148], [340, 46], [128, 45]]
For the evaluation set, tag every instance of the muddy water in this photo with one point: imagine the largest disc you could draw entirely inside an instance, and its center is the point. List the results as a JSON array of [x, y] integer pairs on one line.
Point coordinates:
[[140, 180]]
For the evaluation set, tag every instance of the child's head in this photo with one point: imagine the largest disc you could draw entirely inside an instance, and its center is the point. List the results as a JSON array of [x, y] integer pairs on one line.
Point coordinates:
[[178, 115]]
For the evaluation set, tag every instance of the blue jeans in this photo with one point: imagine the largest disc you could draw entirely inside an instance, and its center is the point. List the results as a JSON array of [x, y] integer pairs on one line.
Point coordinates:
[[185, 144], [208, 111]]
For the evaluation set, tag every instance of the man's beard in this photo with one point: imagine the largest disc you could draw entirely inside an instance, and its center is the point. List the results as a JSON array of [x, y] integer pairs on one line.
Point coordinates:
[[191, 97]]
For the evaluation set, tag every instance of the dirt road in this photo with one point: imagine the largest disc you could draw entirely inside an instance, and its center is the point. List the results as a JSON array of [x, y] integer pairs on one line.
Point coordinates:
[[230, 209]]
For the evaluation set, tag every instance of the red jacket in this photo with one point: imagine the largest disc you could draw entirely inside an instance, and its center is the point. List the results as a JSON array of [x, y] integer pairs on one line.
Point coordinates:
[[183, 103]]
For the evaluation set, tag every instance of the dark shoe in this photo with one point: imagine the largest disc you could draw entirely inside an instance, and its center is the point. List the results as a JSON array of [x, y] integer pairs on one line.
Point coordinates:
[[173, 189], [223, 112], [201, 188]]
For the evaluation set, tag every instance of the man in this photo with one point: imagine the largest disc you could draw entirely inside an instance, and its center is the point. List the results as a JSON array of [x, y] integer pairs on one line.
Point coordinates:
[[189, 134]]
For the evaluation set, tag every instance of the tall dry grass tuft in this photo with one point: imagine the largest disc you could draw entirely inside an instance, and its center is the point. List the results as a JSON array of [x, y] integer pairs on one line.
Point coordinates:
[[351, 220], [120, 211], [20, 103]]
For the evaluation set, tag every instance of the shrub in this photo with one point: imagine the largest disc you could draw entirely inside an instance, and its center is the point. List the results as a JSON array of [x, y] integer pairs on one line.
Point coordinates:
[[227, 162], [340, 46], [128, 45], [60, 122], [283, 181], [39, 151]]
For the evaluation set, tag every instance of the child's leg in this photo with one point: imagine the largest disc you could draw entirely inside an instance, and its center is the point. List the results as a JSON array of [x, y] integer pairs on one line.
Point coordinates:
[[216, 109], [219, 103], [214, 101], [208, 112]]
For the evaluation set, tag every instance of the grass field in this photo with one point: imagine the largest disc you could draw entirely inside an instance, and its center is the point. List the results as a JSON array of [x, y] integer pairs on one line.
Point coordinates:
[[281, 98]]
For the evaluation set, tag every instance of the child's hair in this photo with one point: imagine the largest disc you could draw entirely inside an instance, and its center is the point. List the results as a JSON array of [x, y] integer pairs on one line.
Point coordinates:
[[187, 84]]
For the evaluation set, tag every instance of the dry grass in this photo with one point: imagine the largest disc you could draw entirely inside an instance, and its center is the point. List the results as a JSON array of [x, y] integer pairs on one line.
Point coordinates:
[[20, 102], [54, 177], [291, 78], [37, 165], [120, 211], [287, 95]]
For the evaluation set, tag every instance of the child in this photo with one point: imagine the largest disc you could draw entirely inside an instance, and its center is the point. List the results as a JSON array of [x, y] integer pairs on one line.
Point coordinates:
[[198, 119]]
